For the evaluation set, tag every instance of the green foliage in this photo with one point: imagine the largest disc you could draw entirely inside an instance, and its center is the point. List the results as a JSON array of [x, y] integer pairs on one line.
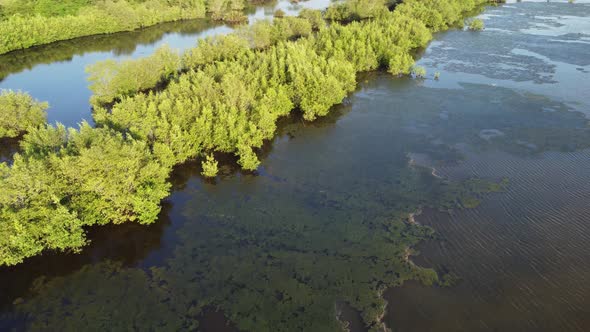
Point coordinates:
[[354, 10], [111, 80], [419, 72], [44, 7], [264, 33], [401, 64], [211, 49], [23, 29], [227, 10], [314, 17], [19, 112], [67, 179], [209, 167], [228, 98], [476, 25]]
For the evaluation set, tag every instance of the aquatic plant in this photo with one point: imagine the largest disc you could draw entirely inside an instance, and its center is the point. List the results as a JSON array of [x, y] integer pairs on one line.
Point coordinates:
[[65, 179], [229, 102], [476, 25], [210, 167], [419, 72], [110, 79]]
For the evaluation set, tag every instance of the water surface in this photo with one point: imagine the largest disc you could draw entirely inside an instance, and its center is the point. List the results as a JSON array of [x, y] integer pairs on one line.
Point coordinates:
[[520, 258], [493, 154], [56, 72]]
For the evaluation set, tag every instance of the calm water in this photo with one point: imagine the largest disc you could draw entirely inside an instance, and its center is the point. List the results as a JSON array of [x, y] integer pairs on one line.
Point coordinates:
[[56, 72], [323, 225]]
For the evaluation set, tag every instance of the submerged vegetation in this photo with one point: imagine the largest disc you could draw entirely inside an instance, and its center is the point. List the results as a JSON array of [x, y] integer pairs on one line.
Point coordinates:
[[27, 23], [225, 95], [267, 272], [326, 221]]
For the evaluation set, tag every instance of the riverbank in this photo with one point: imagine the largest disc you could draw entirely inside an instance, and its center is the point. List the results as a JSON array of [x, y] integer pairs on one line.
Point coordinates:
[[22, 30], [221, 113]]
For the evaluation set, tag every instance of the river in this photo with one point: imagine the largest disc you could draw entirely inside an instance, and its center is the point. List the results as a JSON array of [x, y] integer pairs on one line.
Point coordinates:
[[323, 219], [56, 72]]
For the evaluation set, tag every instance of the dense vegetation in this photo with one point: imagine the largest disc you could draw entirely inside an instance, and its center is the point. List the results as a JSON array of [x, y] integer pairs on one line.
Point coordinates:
[[19, 112], [476, 25], [65, 179], [234, 88], [226, 95], [35, 22], [227, 99], [119, 44]]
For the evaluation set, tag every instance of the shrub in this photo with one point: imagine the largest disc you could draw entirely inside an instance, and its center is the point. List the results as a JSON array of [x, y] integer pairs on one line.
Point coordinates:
[[111, 80], [19, 112], [419, 72], [209, 167], [23, 29], [476, 25]]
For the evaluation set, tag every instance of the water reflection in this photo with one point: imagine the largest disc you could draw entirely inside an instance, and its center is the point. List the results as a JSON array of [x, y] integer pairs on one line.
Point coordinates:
[[325, 221], [55, 72], [520, 257], [319, 222], [125, 244], [120, 44], [540, 48]]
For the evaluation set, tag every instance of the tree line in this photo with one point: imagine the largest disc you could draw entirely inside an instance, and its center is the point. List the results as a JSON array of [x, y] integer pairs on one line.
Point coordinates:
[[28, 23], [19, 112], [225, 95]]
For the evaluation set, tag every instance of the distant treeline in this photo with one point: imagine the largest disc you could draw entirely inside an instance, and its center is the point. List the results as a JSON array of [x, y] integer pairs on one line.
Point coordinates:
[[120, 44], [225, 95], [27, 23]]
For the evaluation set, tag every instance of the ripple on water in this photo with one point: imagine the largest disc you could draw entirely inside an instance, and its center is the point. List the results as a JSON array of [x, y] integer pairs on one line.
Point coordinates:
[[543, 51], [522, 255]]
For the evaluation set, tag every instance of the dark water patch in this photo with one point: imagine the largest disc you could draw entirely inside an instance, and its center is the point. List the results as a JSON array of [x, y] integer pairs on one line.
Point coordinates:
[[212, 320], [351, 319], [8, 147]]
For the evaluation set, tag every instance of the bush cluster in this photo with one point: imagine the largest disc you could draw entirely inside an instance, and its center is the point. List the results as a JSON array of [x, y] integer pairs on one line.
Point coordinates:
[[227, 98]]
